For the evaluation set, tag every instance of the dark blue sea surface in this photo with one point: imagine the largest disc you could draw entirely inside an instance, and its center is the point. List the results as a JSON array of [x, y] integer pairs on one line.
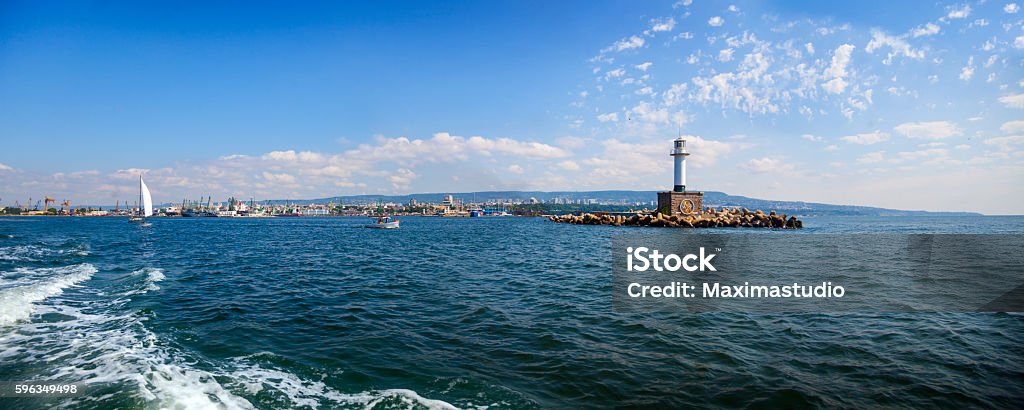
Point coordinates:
[[501, 312]]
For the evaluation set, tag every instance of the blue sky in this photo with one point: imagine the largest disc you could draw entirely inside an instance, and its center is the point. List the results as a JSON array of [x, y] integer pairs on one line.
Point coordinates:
[[896, 104]]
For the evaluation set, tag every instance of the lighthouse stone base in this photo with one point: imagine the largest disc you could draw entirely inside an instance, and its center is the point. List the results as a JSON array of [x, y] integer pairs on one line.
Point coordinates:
[[680, 203]]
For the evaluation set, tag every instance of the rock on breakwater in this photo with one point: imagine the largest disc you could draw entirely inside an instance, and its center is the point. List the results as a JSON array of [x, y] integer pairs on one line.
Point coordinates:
[[709, 218]]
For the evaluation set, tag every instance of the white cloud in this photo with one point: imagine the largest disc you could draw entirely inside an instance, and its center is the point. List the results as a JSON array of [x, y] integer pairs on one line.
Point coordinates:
[[608, 117], [532, 150], [837, 72], [897, 46], [1012, 127], [675, 94], [402, 179], [442, 147], [645, 91], [1011, 8], [1004, 142], [515, 169], [725, 55], [872, 157], [282, 178], [627, 43], [1013, 101], [768, 165], [1018, 42], [5, 167], [809, 47], [647, 112], [812, 138], [663, 24], [868, 138], [644, 66], [754, 88], [128, 174], [991, 60], [569, 165], [929, 129], [616, 73], [716, 21], [292, 156], [959, 12], [921, 154], [968, 71], [929, 29], [571, 142]]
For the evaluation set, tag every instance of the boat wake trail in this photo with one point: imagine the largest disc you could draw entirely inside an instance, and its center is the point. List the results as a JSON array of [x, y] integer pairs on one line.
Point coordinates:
[[35, 253], [23, 287], [93, 336]]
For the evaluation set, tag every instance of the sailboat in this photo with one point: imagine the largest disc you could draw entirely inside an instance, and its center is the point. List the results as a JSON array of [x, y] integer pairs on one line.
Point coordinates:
[[145, 204]]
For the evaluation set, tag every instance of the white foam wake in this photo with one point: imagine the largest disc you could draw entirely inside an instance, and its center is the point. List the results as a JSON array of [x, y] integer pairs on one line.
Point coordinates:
[[35, 253], [97, 343], [153, 275], [311, 393], [18, 294]]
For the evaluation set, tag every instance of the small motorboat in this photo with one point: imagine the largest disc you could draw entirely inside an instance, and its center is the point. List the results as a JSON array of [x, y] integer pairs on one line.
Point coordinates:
[[384, 222]]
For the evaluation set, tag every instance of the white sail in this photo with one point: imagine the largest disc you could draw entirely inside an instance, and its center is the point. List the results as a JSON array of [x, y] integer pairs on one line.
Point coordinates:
[[147, 200]]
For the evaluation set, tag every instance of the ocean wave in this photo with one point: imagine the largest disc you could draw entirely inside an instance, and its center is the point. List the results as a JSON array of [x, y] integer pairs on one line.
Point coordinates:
[[300, 392], [18, 293], [33, 253], [94, 342], [169, 378], [153, 275]]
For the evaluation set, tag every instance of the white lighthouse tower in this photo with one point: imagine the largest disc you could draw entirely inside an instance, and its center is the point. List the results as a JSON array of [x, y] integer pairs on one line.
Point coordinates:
[[679, 153], [679, 200]]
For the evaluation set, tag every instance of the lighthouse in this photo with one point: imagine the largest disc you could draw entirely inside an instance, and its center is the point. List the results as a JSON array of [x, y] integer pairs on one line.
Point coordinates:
[[679, 153], [678, 200]]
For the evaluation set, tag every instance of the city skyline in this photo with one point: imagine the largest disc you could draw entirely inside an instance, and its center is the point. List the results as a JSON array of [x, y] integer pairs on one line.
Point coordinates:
[[848, 104]]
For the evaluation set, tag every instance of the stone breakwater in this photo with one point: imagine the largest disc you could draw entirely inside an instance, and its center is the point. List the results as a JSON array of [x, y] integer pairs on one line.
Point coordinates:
[[709, 218]]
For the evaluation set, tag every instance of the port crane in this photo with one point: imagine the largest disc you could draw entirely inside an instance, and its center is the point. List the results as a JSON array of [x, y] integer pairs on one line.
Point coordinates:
[[47, 201]]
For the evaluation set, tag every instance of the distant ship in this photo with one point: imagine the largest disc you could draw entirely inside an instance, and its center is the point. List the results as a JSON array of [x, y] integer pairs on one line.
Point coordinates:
[[197, 214]]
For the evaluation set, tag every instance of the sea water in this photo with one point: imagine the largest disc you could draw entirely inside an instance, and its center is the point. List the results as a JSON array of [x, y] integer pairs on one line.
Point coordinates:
[[469, 313]]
